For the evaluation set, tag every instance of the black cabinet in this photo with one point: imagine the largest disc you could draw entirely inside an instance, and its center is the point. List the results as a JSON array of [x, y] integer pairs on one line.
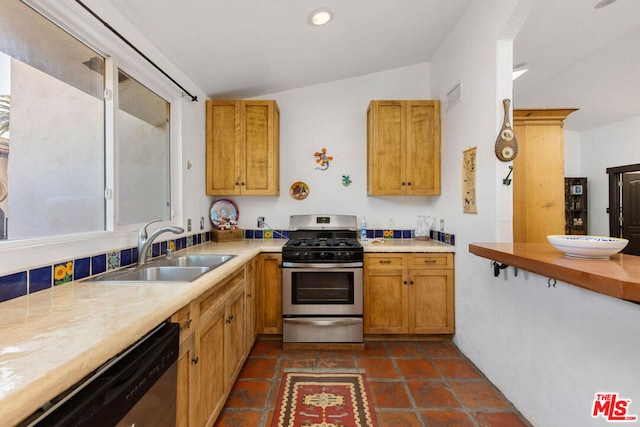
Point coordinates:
[[575, 206]]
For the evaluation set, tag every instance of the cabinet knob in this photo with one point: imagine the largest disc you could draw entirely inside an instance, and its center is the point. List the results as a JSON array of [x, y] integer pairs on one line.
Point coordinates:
[[411, 282], [404, 183], [242, 183], [409, 183], [195, 360], [405, 282], [237, 183]]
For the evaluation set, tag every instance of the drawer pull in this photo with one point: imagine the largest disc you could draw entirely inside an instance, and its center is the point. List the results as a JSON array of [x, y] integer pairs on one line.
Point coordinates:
[[385, 261], [186, 324], [430, 261], [195, 360]]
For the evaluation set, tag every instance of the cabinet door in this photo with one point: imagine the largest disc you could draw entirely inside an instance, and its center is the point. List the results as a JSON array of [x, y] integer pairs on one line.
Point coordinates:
[[431, 301], [384, 302], [224, 151], [251, 304], [260, 164], [209, 369], [422, 148], [385, 148], [186, 382], [234, 342], [270, 294]]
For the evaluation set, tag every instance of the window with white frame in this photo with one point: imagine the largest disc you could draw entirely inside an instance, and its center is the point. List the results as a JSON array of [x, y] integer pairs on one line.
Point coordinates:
[[55, 155]]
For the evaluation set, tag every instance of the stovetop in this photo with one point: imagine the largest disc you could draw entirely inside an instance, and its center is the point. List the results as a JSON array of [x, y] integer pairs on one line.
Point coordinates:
[[322, 238], [324, 242]]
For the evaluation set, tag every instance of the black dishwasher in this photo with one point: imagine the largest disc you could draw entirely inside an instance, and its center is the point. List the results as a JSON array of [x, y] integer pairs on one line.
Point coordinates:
[[137, 387]]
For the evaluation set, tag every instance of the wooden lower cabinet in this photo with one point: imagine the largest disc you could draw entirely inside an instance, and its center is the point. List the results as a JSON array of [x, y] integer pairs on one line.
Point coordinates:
[[213, 349], [234, 340], [408, 293], [208, 392], [270, 293], [251, 303]]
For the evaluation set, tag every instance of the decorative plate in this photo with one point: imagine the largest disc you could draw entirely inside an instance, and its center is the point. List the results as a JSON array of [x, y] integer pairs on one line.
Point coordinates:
[[587, 246], [224, 214], [299, 190]]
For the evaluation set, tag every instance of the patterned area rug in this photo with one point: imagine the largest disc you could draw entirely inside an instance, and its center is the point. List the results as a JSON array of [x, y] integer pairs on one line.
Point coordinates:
[[323, 400]]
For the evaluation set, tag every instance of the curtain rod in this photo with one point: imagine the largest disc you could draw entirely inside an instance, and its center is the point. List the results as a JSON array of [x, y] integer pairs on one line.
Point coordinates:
[[121, 37]]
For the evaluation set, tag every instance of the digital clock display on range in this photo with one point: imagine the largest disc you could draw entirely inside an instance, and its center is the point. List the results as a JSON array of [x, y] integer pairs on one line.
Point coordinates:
[[323, 220]]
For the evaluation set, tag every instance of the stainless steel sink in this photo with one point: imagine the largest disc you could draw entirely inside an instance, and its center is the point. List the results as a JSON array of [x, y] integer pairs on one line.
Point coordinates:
[[151, 273], [200, 260], [184, 268]]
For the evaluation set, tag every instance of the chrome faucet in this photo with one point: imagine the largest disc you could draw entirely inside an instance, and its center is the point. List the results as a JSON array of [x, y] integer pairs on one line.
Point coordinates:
[[145, 242]]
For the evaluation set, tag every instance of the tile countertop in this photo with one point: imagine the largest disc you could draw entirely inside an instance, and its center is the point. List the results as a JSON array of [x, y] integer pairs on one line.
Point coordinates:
[[53, 338], [406, 245]]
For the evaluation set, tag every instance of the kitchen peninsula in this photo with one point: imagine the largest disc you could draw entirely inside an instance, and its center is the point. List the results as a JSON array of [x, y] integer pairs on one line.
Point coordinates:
[[53, 338], [618, 276]]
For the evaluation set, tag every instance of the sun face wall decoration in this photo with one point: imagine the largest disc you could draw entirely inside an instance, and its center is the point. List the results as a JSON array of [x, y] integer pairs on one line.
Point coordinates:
[[322, 159]]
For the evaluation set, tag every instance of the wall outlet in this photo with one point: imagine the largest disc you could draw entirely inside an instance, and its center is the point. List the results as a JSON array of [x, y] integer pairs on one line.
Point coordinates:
[[201, 223], [442, 225], [189, 224], [260, 222]]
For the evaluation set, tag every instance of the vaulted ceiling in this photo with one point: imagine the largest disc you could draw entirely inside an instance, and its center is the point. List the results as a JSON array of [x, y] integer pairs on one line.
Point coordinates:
[[578, 56]]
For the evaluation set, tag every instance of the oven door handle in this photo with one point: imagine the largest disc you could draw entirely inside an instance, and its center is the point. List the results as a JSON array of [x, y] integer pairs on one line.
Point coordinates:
[[327, 322], [321, 265]]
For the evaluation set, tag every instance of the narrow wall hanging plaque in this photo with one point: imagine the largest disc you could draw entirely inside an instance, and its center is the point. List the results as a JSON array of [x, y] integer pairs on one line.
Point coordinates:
[[469, 181]]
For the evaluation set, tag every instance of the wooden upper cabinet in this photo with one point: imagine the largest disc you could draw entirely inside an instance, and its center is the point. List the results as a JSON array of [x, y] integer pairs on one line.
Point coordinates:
[[403, 148], [243, 148], [538, 174]]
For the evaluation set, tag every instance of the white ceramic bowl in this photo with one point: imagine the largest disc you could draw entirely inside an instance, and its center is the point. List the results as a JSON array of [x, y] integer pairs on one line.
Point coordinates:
[[587, 246]]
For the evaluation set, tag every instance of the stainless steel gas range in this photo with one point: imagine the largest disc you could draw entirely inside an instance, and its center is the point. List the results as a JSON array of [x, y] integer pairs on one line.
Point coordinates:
[[322, 279]]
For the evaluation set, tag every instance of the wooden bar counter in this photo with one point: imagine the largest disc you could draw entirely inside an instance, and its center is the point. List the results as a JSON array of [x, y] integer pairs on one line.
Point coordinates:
[[618, 276]]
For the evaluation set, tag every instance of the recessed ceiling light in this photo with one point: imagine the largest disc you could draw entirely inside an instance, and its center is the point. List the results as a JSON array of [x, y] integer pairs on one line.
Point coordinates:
[[320, 17], [603, 3]]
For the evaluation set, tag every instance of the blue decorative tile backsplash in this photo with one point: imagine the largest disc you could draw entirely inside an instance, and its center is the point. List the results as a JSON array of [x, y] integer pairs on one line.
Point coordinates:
[[43, 277], [13, 285], [371, 234]]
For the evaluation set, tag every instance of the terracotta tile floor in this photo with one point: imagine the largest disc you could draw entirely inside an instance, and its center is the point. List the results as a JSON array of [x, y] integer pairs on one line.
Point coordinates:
[[412, 384]]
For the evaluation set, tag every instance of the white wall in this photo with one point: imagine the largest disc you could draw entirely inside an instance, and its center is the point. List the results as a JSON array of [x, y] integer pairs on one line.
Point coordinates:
[[333, 116], [548, 349], [572, 154], [617, 144]]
